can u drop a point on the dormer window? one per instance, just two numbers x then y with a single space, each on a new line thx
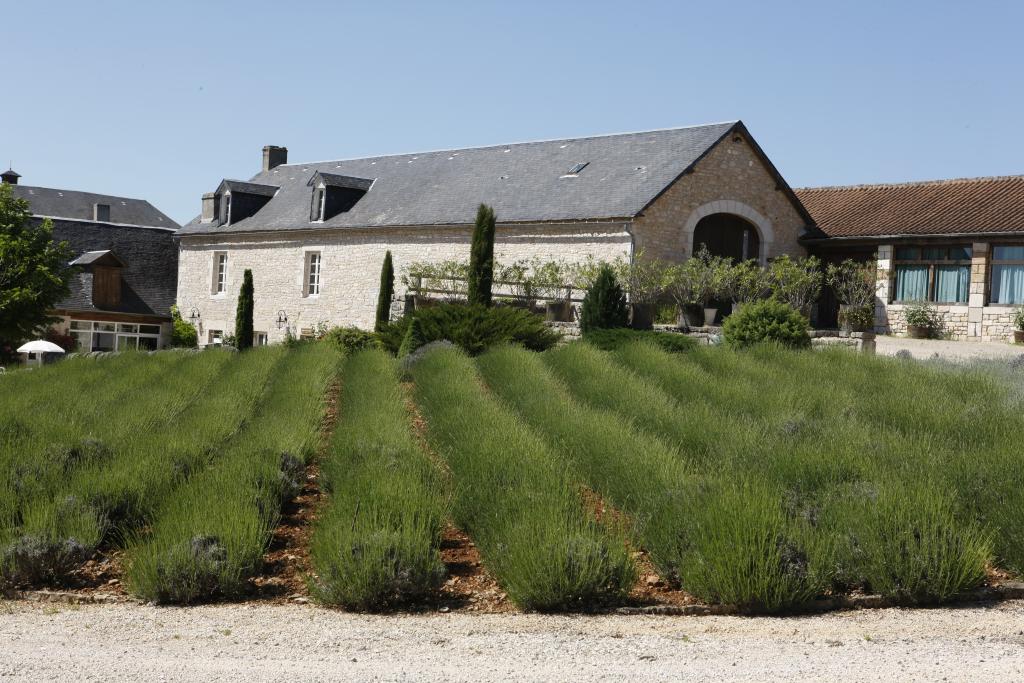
105 268
334 194
239 200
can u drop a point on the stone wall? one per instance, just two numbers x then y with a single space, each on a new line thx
973 321
730 179
350 271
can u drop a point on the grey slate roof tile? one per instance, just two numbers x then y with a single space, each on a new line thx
47 201
523 182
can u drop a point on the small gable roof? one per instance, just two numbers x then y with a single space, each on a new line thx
937 207
523 182
103 257
336 180
243 187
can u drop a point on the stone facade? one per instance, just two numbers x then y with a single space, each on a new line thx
732 178
977 320
350 270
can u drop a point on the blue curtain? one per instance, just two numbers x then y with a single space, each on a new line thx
1007 284
951 283
911 283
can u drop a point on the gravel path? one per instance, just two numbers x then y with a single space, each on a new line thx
950 350
304 643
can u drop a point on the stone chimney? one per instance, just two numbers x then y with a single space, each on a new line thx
274 156
209 207
9 177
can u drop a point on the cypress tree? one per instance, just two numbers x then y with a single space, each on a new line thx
243 314
481 257
387 291
604 306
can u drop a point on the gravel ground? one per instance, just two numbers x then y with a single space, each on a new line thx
303 643
950 350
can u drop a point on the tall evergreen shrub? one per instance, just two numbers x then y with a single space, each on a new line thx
243 314
386 293
481 257
604 306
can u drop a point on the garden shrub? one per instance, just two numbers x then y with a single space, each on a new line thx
604 306
767 321
183 334
741 548
907 543
473 328
350 339
376 543
612 339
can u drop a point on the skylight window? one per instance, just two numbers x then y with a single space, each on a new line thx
575 170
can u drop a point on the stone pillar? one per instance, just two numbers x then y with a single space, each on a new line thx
976 293
882 283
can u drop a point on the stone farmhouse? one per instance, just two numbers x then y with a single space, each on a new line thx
958 244
315 234
127 266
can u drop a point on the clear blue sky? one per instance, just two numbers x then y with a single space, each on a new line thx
162 100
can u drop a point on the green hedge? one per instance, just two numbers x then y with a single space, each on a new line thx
473 328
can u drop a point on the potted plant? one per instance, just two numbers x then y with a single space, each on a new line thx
645 281
854 285
712 279
1018 324
796 282
749 283
679 285
552 282
922 320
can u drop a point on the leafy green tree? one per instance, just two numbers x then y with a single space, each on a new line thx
34 271
243 314
386 293
183 334
604 306
481 257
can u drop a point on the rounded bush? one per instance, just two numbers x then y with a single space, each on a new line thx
767 321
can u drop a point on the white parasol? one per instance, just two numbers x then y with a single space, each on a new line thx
40 346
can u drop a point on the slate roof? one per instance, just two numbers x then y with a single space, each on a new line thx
149 279
523 182
91 257
248 188
959 206
150 274
78 205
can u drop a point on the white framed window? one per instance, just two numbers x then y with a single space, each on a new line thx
215 337
319 204
314 260
220 272
93 335
259 338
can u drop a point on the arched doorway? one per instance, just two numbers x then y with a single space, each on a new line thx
727 235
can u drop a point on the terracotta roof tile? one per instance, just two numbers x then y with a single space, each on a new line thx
964 205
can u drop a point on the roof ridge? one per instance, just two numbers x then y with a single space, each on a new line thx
98 194
511 144
911 183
